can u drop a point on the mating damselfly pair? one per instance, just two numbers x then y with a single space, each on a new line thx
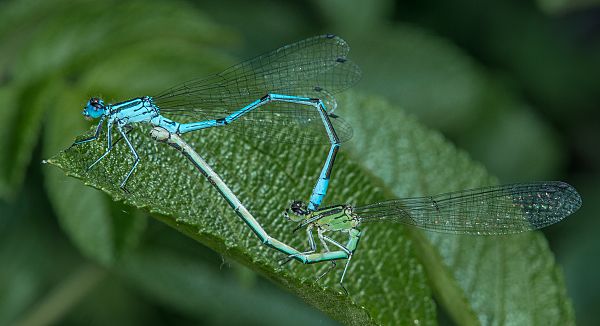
291 89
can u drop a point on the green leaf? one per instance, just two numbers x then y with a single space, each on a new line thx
386 281
167 185
508 279
54 58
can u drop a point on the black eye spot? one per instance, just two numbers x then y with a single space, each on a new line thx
95 103
299 208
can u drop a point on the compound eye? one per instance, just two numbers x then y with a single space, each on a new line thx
299 208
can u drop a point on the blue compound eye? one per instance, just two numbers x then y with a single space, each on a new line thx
94 108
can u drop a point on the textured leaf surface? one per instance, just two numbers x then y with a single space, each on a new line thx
266 179
53 58
487 280
477 279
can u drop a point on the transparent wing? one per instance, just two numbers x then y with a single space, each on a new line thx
493 210
317 67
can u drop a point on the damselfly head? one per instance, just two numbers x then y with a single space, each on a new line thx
297 211
94 108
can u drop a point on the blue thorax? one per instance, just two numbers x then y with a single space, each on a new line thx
136 110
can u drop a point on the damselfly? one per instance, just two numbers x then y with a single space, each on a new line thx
281 96
495 210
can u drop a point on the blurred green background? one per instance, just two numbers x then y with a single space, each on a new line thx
514 83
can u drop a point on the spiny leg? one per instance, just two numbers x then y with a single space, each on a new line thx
321 237
347 260
344 273
311 244
109 145
94 137
320 234
129 129
135 162
345 252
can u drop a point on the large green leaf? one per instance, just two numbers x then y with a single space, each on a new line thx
53 57
508 279
476 279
